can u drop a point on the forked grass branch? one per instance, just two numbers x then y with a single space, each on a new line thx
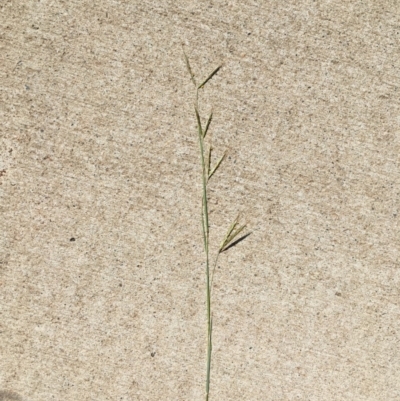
235 228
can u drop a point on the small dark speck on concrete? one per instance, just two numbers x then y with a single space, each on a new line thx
72 239
152 354
9 396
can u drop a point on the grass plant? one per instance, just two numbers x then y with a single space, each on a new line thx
231 237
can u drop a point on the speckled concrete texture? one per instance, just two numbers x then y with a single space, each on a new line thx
102 285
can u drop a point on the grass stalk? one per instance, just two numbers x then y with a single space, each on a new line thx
233 231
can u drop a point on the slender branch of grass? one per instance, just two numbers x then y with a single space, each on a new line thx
216 166
209 77
189 68
206 229
208 124
209 160
231 234
233 231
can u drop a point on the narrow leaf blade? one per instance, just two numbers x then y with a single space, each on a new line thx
217 165
209 161
210 76
189 68
199 123
208 124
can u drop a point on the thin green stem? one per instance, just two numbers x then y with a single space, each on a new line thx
206 230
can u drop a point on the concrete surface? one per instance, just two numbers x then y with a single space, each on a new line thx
102 269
